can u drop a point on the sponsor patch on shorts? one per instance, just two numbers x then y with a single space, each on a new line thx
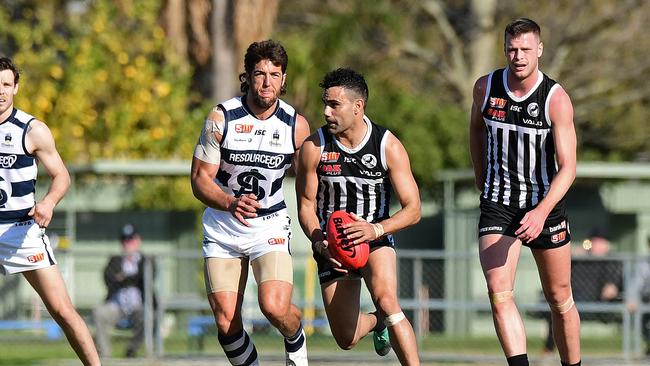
556 238
557 227
490 228
277 241
36 258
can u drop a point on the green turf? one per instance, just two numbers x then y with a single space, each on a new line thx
29 351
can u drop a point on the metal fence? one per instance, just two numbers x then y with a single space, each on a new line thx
425 278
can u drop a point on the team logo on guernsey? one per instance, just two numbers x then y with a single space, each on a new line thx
7 141
7 161
497 102
249 182
243 128
533 109
369 161
276 139
5 192
329 157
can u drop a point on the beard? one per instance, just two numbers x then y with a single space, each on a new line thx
264 103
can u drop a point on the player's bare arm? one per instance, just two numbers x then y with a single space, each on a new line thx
477 135
564 137
406 190
40 142
306 190
205 164
302 132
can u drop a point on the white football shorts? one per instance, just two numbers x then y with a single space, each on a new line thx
225 237
24 246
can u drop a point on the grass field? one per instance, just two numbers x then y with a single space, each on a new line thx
435 351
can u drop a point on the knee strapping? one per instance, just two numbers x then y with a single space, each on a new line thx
499 297
394 319
564 307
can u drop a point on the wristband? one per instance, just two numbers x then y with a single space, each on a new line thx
379 230
318 249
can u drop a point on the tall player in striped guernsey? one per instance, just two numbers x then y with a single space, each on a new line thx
24 246
247 145
523 147
352 164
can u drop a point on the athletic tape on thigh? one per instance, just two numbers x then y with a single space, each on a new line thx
563 308
225 274
499 297
394 319
273 266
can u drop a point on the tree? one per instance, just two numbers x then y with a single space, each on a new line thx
424 56
103 79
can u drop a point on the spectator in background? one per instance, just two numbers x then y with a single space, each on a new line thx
598 280
124 279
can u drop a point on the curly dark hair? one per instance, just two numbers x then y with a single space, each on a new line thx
263 50
7 64
348 79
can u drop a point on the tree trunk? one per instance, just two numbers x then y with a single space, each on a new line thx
174 23
235 24
224 75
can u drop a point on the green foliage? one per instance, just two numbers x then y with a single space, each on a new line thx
362 35
106 83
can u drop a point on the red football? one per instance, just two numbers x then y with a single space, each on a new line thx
352 256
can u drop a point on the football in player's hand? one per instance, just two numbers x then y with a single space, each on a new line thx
350 255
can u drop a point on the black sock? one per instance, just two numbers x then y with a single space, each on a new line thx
570 364
380 323
518 360
293 343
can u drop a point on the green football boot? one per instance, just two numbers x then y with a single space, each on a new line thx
381 340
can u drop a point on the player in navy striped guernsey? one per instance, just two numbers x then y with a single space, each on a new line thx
247 145
24 247
351 164
523 148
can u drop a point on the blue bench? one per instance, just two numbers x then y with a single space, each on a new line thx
51 328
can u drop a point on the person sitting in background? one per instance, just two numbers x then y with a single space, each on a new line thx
124 279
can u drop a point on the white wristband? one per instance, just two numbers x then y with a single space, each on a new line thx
379 230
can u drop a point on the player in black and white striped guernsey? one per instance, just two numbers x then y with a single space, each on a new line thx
354 180
523 147
24 246
247 145
351 164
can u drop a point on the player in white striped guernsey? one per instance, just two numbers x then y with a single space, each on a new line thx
523 148
24 247
352 164
247 145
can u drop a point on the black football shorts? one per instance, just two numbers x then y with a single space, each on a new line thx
497 218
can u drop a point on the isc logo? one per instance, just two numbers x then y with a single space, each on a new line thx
277 241
243 128
36 257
